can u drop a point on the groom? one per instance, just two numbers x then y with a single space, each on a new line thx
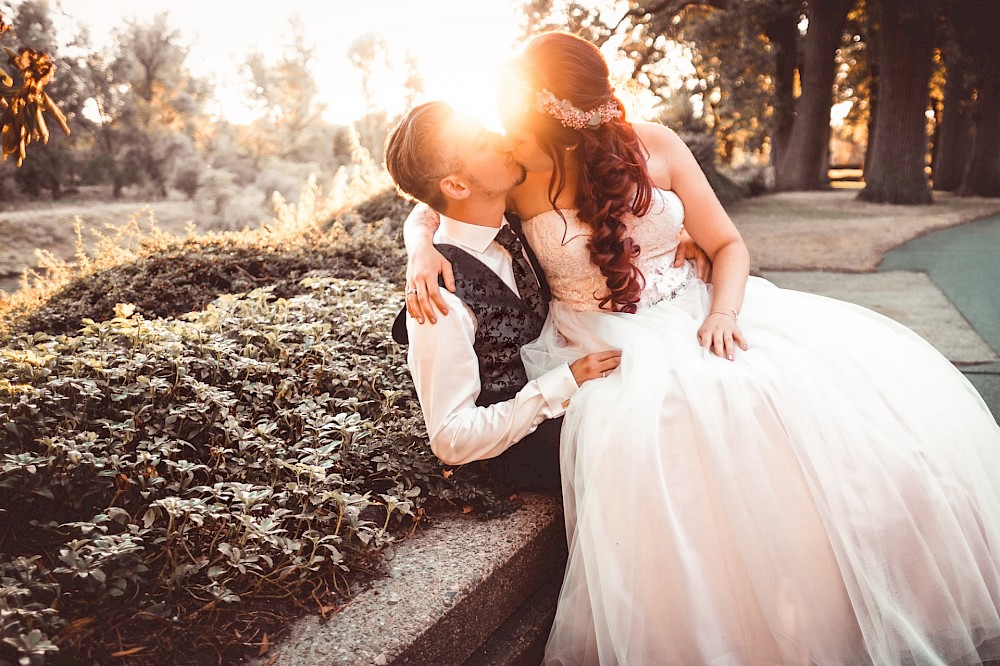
474 392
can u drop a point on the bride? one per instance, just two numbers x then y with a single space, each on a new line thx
769 477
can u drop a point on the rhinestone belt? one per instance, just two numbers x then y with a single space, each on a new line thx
690 275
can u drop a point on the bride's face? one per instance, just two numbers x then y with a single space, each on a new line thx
487 167
513 102
523 147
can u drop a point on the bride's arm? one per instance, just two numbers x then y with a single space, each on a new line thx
424 264
710 227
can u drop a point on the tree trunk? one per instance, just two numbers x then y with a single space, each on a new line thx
801 167
824 163
783 33
873 45
983 176
896 171
954 145
983 43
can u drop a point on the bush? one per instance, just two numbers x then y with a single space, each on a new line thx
216 188
186 275
187 177
164 276
703 147
153 470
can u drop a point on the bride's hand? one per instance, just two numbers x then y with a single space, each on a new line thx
423 294
688 249
720 334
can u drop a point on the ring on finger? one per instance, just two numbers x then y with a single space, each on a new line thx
604 373
411 291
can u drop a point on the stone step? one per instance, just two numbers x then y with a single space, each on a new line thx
449 589
520 641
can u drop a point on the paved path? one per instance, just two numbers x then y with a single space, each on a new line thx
945 285
964 262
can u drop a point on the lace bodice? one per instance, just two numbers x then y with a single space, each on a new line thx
561 247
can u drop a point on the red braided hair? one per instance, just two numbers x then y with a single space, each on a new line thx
612 181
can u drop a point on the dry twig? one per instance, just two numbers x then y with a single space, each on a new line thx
23 107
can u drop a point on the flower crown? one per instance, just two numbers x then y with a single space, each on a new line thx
570 116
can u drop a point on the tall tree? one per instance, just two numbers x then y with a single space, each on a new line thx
804 164
782 32
167 99
108 88
370 56
895 171
955 135
285 91
979 21
744 54
149 105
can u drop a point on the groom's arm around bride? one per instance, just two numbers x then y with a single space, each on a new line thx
475 395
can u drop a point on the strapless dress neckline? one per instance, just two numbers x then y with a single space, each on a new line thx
574 211
563 251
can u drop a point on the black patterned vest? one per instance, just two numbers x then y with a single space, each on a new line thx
503 324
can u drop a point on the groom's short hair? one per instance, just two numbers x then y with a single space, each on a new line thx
418 156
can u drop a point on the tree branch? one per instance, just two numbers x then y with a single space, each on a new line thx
670 7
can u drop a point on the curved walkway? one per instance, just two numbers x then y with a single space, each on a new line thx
912 263
964 262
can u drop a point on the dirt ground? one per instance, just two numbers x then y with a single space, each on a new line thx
51 228
833 231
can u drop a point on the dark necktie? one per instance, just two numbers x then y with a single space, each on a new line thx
524 277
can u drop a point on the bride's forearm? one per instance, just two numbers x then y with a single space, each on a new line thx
730 269
419 227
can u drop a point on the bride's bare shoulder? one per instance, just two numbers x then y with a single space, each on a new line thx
663 148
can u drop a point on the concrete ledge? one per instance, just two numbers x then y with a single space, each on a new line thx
449 588
520 641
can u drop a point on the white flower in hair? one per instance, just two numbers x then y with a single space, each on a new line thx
572 117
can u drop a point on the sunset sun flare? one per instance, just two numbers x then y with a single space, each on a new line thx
455 47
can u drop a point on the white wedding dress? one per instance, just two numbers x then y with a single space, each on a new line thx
831 497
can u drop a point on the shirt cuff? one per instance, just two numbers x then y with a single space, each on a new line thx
557 386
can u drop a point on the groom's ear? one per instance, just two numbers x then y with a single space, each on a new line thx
454 187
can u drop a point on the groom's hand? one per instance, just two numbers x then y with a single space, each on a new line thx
592 366
688 249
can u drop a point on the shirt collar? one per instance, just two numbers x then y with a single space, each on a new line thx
473 237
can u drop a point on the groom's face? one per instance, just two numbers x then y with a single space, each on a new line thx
486 170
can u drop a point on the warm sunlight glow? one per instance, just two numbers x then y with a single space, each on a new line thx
640 102
839 111
456 46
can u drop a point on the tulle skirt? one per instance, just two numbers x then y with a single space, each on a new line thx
831 497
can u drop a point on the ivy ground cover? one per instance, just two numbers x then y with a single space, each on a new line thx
170 486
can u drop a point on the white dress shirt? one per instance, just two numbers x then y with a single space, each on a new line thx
445 368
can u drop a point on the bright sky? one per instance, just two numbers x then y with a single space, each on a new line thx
457 43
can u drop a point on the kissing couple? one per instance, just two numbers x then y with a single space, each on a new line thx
750 475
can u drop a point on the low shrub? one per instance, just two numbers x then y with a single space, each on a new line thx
164 276
703 147
170 489
182 275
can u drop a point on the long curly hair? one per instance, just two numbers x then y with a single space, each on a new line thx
612 180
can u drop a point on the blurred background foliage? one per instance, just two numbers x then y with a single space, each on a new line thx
763 78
